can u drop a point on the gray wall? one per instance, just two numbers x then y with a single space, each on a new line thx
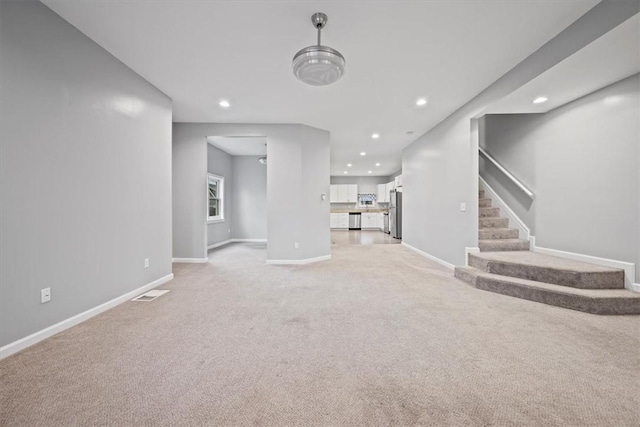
366 184
85 173
440 169
189 187
582 162
297 174
249 198
220 163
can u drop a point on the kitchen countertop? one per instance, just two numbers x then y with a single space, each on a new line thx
361 210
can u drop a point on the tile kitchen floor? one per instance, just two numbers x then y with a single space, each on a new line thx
361 237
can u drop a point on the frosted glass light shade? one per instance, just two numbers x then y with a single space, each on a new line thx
318 65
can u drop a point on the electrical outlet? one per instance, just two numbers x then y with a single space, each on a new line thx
296 245
463 207
146 263
45 295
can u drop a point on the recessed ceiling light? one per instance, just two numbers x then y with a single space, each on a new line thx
224 104
377 164
540 100
375 136
346 172
363 154
349 165
421 102
369 171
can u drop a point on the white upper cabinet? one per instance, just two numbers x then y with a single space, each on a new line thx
352 193
343 193
333 194
390 186
383 196
398 181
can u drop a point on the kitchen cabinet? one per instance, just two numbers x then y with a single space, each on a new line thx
387 188
398 181
352 193
343 193
383 195
339 220
333 193
370 220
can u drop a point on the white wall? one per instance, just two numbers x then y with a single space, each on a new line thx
220 163
85 173
582 162
297 174
249 198
440 169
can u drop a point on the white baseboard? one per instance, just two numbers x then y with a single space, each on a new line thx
467 251
429 256
190 260
628 267
226 242
217 245
43 334
298 261
514 220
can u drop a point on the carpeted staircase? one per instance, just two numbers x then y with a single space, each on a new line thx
506 266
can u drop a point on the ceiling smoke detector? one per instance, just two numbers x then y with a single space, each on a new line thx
318 65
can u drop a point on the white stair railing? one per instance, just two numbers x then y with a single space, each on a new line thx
515 180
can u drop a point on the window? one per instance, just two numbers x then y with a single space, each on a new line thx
216 198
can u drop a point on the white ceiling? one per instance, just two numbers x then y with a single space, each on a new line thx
240 145
609 59
199 52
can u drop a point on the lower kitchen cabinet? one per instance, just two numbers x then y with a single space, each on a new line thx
339 220
372 220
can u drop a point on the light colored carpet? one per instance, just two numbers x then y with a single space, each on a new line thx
377 336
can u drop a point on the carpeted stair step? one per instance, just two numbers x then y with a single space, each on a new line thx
493 223
595 301
484 202
489 212
480 194
495 245
498 233
549 269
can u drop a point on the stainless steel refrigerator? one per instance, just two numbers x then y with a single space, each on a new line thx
395 214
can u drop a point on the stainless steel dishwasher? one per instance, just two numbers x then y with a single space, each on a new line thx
355 221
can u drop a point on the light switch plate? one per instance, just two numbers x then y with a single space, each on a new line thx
463 207
45 295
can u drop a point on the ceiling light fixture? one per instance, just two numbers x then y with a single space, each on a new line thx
375 136
224 103
349 165
540 100
262 160
377 164
421 102
318 65
369 171
346 172
363 154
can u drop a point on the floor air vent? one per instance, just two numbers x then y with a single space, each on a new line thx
151 295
